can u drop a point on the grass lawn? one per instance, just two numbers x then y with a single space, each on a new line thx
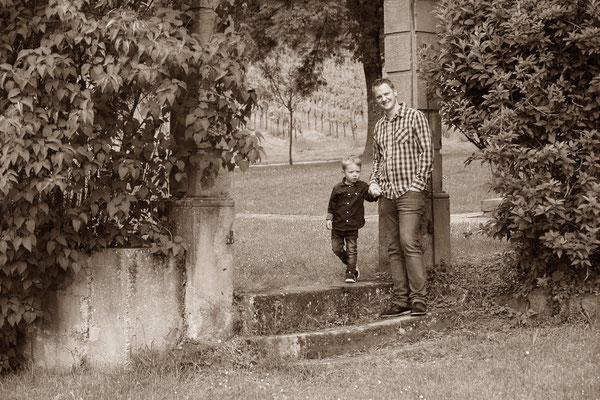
466 362
274 253
271 252
304 189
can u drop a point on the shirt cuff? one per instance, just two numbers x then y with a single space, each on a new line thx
329 217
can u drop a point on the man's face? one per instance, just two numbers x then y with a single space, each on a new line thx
385 96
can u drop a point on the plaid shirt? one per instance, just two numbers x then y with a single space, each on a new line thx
402 152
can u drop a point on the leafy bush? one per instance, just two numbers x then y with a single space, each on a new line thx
87 89
521 79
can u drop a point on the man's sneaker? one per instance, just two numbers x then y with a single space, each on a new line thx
418 308
394 310
352 276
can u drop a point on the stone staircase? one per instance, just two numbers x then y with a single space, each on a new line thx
325 321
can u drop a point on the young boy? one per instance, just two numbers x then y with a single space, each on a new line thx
346 214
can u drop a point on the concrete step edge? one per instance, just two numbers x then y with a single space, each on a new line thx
347 339
293 309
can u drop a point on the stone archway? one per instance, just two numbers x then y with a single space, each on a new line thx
101 317
409 25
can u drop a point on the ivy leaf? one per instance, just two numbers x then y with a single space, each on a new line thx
244 164
27 243
123 170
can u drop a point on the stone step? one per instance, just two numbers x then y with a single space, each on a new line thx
350 339
301 309
489 205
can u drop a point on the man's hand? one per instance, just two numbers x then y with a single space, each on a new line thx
329 224
374 189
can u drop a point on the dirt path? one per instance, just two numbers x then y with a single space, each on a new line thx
473 218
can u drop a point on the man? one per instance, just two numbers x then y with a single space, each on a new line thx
402 163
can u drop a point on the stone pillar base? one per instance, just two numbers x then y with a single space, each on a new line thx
205 223
441 227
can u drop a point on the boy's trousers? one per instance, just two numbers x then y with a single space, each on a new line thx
349 252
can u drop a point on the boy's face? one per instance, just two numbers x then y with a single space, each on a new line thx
352 173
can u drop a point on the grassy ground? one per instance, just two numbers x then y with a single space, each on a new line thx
466 362
304 189
310 146
263 254
467 185
273 253
480 354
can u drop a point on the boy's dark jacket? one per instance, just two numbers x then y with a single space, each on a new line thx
346 205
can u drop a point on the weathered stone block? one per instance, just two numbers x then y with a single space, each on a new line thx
441 228
403 84
397 16
205 223
425 20
302 308
128 299
398 52
590 305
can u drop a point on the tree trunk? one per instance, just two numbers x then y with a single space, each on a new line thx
290 131
369 16
372 72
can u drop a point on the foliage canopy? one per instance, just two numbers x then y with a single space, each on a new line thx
521 79
319 30
87 90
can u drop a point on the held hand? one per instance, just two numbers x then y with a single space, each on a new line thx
374 189
329 224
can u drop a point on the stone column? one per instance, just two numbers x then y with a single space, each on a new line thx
204 218
409 25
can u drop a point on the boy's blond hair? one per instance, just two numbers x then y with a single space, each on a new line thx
351 160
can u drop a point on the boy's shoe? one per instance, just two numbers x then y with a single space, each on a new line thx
418 308
394 310
352 276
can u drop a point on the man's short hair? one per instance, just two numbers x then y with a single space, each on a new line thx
382 81
351 160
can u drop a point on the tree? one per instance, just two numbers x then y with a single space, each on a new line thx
282 80
320 30
86 93
522 80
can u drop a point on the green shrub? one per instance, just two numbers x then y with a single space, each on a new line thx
87 89
521 79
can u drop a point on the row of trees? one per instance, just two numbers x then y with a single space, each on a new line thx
339 104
